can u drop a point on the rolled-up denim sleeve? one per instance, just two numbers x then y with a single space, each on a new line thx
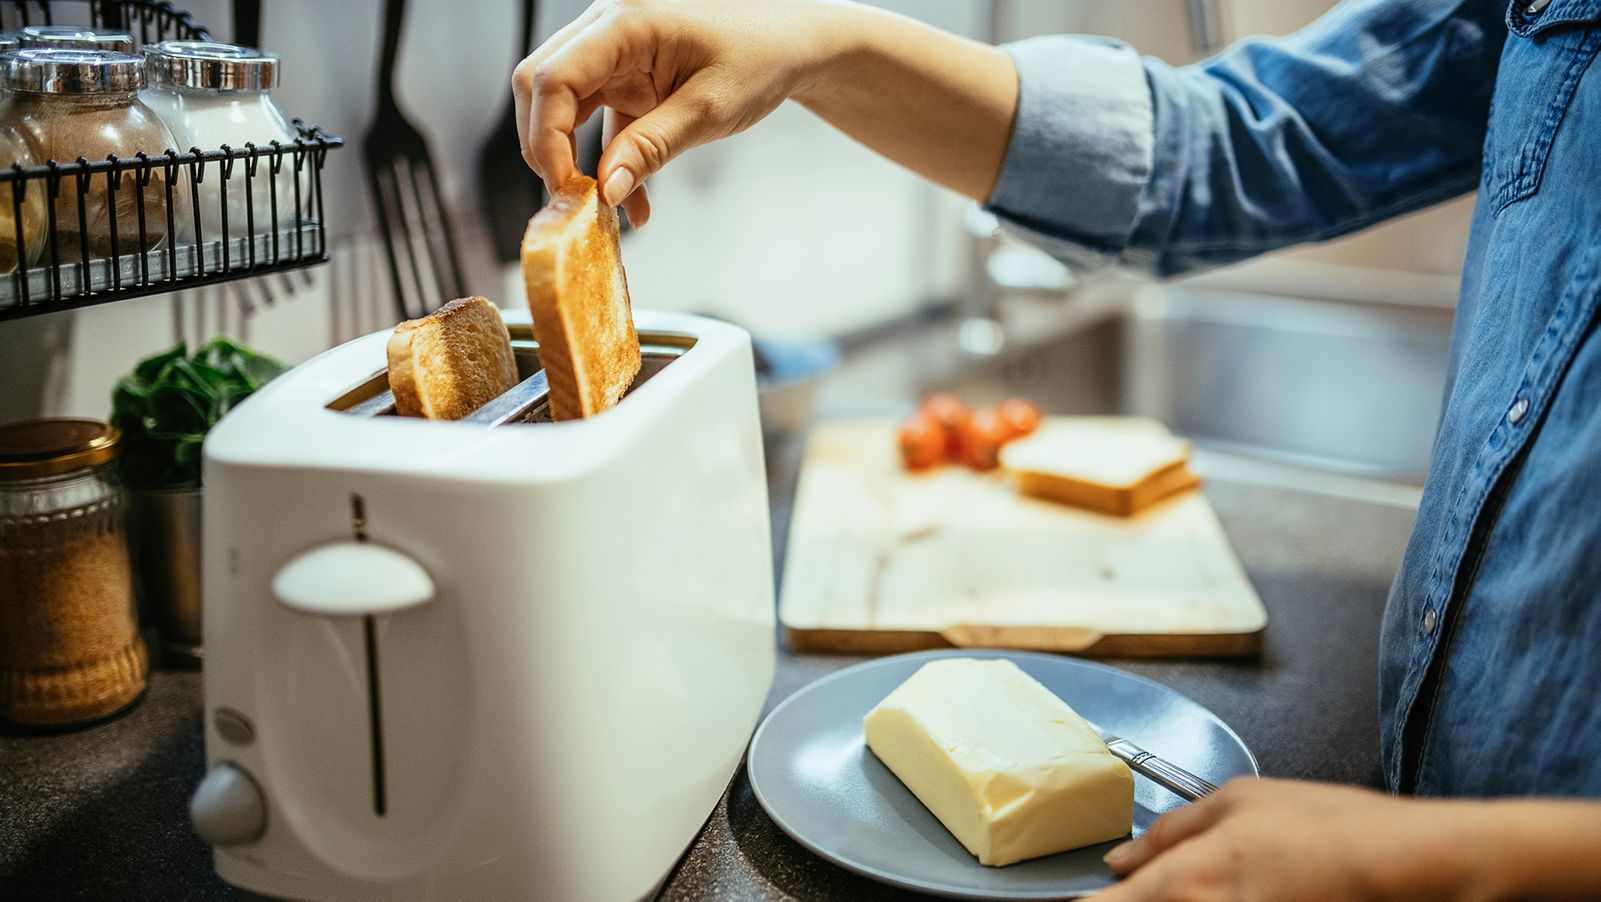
1376 109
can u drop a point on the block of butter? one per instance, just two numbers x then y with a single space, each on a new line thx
1005 765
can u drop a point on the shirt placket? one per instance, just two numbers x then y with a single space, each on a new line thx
1510 435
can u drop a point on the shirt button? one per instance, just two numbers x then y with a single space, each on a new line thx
1535 7
1518 411
1430 621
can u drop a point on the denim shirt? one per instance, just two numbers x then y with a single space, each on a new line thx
1490 660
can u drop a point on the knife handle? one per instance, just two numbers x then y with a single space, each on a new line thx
1161 771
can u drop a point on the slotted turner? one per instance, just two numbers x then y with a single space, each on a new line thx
419 240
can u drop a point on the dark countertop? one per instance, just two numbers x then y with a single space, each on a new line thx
102 812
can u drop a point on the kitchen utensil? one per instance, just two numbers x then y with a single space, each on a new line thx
419 239
1158 770
813 775
247 23
509 191
880 559
516 661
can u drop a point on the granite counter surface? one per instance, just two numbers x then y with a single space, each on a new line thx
102 812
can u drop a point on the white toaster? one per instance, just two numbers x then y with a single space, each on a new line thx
496 658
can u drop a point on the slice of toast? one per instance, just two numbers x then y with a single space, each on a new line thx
452 361
1113 466
578 295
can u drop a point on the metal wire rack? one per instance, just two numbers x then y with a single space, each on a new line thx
179 234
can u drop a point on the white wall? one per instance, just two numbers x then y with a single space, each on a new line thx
789 228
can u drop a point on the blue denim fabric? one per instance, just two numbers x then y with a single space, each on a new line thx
1490 661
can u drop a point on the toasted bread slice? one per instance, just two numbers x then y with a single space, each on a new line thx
452 361
578 295
1117 467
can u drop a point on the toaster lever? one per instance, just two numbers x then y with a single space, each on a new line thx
352 579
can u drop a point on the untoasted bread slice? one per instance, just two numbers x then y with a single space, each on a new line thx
578 295
1110 466
452 361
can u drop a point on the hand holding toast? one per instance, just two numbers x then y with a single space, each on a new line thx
674 74
671 75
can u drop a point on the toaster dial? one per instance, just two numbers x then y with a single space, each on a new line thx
228 808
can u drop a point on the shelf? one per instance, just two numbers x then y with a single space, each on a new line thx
180 193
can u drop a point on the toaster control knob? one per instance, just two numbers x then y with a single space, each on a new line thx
228 808
352 579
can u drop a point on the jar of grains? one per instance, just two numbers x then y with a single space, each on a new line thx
212 94
84 103
70 647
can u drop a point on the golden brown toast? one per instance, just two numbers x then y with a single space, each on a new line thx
452 361
578 295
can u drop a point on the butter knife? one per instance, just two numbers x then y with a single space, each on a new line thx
1158 770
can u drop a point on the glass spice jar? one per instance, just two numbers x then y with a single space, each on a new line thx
24 223
211 94
70 647
75 37
84 103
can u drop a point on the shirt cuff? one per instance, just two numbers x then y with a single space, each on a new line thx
1081 148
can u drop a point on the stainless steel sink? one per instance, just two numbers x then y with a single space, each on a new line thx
1331 387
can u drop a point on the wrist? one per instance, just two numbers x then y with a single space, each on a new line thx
834 34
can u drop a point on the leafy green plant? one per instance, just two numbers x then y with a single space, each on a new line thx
170 400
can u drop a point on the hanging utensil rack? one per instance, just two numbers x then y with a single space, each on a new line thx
65 274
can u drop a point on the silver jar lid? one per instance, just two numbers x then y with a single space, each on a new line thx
44 71
63 37
210 66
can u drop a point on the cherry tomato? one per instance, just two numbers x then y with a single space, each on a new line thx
1021 415
983 438
922 441
952 415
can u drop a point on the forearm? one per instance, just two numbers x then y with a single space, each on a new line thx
1526 849
938 104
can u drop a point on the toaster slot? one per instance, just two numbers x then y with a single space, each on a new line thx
526 402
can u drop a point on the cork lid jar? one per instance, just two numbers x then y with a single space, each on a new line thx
70 647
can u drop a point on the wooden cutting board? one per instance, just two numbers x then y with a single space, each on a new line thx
882 560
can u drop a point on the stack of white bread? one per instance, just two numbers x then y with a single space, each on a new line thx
1112 465
453 361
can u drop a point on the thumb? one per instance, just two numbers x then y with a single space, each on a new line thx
645 145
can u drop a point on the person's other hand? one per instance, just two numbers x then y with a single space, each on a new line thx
1280 839
672 74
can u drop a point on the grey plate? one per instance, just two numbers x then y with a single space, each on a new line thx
816 779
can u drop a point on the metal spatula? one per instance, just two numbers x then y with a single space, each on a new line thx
418 237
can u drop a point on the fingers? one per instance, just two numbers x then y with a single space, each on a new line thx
1169 830
555 88
637 203
1161 878
637 206
642 147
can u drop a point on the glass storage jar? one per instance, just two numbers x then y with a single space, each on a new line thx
75 37
84 103
70 647
211 94
30 216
